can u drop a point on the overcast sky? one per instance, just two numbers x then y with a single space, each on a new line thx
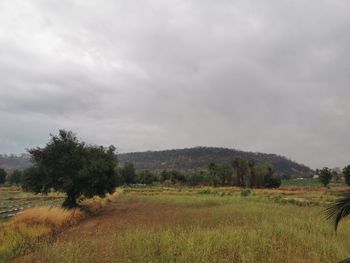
270 76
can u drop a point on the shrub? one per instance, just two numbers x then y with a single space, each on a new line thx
245 192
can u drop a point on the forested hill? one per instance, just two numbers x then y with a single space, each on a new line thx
190 159
184 160
13 161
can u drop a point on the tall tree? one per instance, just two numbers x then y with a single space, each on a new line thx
224 173
128 173
346 172
252 178
146 177
2 175
68 165
325 176
241 167
15 177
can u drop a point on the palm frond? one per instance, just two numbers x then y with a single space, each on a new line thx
339 209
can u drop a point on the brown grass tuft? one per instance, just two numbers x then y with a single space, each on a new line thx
96 203
53 217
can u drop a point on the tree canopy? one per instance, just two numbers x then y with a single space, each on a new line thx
68 165
325 176
15 178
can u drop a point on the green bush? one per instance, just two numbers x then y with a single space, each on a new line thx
246 192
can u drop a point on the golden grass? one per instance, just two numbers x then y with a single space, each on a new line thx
25 230
33 226
53 217
96 203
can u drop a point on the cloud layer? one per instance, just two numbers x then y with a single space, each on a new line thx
270 76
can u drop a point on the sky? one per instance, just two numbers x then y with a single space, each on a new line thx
264 76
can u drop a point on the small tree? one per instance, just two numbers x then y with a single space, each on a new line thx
146 177
346 172
68 165
325 176
270 180
196 178
177 177
2 176
15 178
128 173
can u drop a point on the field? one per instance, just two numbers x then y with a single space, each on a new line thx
13 200
204 225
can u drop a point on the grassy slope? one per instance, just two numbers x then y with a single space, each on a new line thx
150 226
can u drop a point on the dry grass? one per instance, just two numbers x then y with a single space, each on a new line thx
96 203
25 230
52 217
35 226
199 228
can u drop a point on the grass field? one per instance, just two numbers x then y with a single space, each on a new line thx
13 200
204 225
308 183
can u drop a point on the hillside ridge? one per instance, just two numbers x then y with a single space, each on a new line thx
189 159
185 160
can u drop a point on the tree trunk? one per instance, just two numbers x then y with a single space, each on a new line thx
70 201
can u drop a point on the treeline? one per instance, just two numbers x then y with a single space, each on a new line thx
13 178
240 172
326 175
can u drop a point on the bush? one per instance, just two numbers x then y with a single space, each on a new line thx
245 192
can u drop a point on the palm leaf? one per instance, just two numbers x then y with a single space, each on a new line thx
339 209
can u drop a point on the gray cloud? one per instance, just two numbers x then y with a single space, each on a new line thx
271 76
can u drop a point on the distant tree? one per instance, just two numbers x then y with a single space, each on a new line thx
128 173
286 176
196 178
2 176
146 177
265 176
271 181
224 173
241 167
346 172
260 172
177 177
325 176
212 169
336 175
68 165
213 174
164 176
15 178
252 173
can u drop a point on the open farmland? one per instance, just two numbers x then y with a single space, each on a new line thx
13 200
205 225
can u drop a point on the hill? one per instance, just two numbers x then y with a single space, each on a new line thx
190 159
185 160
10 162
